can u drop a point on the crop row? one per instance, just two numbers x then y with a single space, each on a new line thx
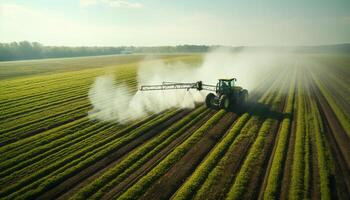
137 158
343 119
324 172
56 140
42 89
104 190
45 137
188 189
74 78
55 154
51 119
35 154
22 166
199 176
39 126
113 183
213 167
26 144
10 123
309 130
74 163
337 88
307 146
139 187
275 175
39 108
258 150
88 138
91 157
297 177
52 95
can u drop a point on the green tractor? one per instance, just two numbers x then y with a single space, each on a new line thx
227 95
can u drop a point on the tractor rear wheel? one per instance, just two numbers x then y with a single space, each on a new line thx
224 102
244 97
209 99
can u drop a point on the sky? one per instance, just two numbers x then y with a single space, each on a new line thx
169 22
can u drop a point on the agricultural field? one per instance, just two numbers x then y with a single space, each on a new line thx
292 141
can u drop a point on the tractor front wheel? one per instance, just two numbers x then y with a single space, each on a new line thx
209 100
224 102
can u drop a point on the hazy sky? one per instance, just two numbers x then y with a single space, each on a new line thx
172 22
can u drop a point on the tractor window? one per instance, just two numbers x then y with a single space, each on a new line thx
225 84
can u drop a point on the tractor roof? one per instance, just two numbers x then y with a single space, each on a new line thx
228 79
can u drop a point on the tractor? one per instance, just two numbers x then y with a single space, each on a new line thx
227 94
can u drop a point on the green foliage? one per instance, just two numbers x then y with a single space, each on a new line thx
74 163
297 180
321 154
256 151
198 177
138 188
140 156
343 119
275 175
40 155
244 174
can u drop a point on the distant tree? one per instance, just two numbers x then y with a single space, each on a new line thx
34 50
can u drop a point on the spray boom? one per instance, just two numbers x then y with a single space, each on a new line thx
173 86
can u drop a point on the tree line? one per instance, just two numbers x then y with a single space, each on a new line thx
34 50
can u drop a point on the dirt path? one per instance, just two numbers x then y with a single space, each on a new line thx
134 177
110 160
172 180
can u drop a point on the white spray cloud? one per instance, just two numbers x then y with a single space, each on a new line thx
116 103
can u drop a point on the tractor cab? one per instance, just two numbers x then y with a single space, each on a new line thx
225 86
227 95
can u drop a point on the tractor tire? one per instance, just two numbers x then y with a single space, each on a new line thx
244 97
209 99
224 102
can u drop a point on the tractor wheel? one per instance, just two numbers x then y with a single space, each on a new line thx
209 99
224 102
244 97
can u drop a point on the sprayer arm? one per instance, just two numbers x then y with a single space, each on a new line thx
173 86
